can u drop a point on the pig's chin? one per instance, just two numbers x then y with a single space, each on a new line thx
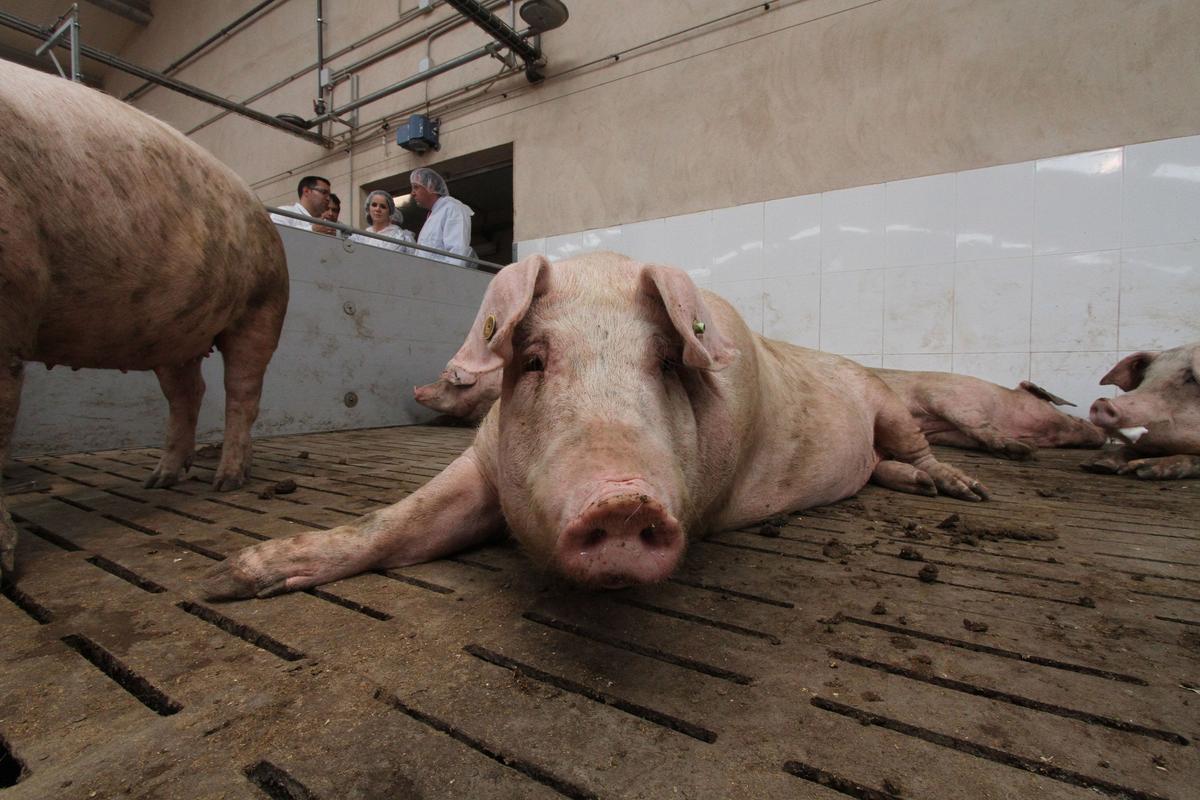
621 538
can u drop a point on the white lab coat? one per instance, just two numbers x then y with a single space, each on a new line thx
448 227
394 231
293 223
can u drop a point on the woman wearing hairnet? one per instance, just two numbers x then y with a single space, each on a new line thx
384 219
448 226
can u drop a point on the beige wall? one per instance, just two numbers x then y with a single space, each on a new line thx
809 96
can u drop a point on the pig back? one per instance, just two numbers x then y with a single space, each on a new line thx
138 247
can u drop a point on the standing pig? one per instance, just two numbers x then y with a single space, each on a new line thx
124 245
962 411
460 395
635 411
1159 418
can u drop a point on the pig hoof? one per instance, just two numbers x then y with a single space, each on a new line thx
161 479
226 483
228 582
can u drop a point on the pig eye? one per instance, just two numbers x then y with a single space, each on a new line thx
533 364
1189 377
668 364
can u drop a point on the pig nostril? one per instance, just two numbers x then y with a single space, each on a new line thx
594 537
649 536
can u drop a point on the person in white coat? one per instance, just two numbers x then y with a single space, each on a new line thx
382 215
313 193
448 226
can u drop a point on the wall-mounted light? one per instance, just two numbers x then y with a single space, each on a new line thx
419 134
544 15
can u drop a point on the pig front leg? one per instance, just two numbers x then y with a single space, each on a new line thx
183 386
1166 468
11 375
1109 462
913 467
456 510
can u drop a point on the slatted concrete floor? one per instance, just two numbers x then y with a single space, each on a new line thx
804 661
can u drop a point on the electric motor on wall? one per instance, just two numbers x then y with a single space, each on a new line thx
419 134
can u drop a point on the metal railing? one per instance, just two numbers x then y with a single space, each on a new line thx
345 231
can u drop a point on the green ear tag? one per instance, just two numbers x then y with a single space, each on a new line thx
489 327
698 327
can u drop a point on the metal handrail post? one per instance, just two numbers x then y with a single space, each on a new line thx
68 26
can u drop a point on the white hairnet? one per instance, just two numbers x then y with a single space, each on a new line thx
424 176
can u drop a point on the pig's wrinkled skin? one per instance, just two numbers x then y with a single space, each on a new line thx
464 396
636 411
1163 396
962 411
123 245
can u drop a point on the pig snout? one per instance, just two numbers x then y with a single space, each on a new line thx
622 539
1105 414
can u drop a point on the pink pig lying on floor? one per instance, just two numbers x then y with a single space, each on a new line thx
636 411
1158 418
962 411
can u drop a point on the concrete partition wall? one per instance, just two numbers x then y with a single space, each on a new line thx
364 325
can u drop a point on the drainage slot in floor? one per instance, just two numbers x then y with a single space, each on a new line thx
147 694
228 504
199 550
426 585
712 587
1016 700
306 523
1178 621
836 782
764 550
699 620
982 751
23 601
73 503
131 525
642 712
1006 592
124 496
996 651
126 574
46 535
262 537
187 515
12 769
641 650
243 632
521 766
467 562
995 571
276 783
353 605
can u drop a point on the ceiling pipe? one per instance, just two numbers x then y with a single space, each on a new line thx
196 93
183 59
137 12
499 30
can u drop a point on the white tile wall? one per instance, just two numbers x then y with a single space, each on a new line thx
1041 270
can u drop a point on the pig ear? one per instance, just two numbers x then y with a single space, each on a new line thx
1042 394
703 345
1129 371
489 344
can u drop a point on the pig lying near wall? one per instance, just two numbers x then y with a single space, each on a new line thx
124 245
460 395
635 411
1159 418
962 411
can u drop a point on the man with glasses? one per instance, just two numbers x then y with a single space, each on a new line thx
313 192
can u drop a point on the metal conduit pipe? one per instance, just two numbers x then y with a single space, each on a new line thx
436 29
341 75
454 63
319 103
183 59
498 29
196 93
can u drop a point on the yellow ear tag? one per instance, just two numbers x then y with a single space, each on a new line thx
698 327
489 327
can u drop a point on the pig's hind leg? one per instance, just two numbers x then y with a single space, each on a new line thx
456 510
246 351
908 464
11 374
183 386
1165 468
